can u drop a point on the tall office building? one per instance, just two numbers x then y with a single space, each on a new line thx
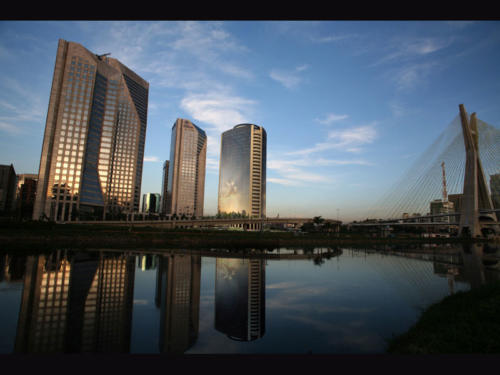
151 203
186 172
242 178
7 189
93 147
164 185
22 178
26 194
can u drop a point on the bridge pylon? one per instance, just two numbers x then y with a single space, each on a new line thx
475 192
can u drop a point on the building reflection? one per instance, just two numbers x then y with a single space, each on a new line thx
240 298
146 262
80 302
12 268
470 269
178 297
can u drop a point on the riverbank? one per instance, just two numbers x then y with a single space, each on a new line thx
50 235
463 323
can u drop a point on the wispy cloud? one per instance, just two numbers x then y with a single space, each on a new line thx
308 162
176 54
353 137
291 174
410 76
402 49
212 164
11 129
397 109
348 140
332 38
286 79
151 159
19 106
410 61
460 24
298 172
289 78
221 110
331 118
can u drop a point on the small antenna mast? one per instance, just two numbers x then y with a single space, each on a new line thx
104 54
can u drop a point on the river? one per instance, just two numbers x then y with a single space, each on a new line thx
286 301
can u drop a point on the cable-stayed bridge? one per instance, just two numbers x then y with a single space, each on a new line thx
456 181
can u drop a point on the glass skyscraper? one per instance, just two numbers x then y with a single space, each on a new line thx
151 203
186 171
93 147
242 172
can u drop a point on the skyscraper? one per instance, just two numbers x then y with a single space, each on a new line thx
164 186
151 203
242 172
186 172
93 147
26 194
7 188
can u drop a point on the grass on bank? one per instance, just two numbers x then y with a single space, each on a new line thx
463 323
49 234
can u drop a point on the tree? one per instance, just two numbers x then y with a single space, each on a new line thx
318 220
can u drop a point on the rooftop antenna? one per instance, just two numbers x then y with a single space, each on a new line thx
445 192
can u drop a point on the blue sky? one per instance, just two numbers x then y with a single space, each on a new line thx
347 106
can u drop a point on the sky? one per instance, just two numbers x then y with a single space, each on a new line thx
348 106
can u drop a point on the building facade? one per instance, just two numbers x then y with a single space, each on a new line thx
186 172
164 186
495 190
93 147
7 189
441 207
151 203
26 195
242 172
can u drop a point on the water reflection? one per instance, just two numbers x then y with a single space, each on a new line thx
240 298
79 302
178 297
83 301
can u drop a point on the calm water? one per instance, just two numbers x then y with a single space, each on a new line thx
344 301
